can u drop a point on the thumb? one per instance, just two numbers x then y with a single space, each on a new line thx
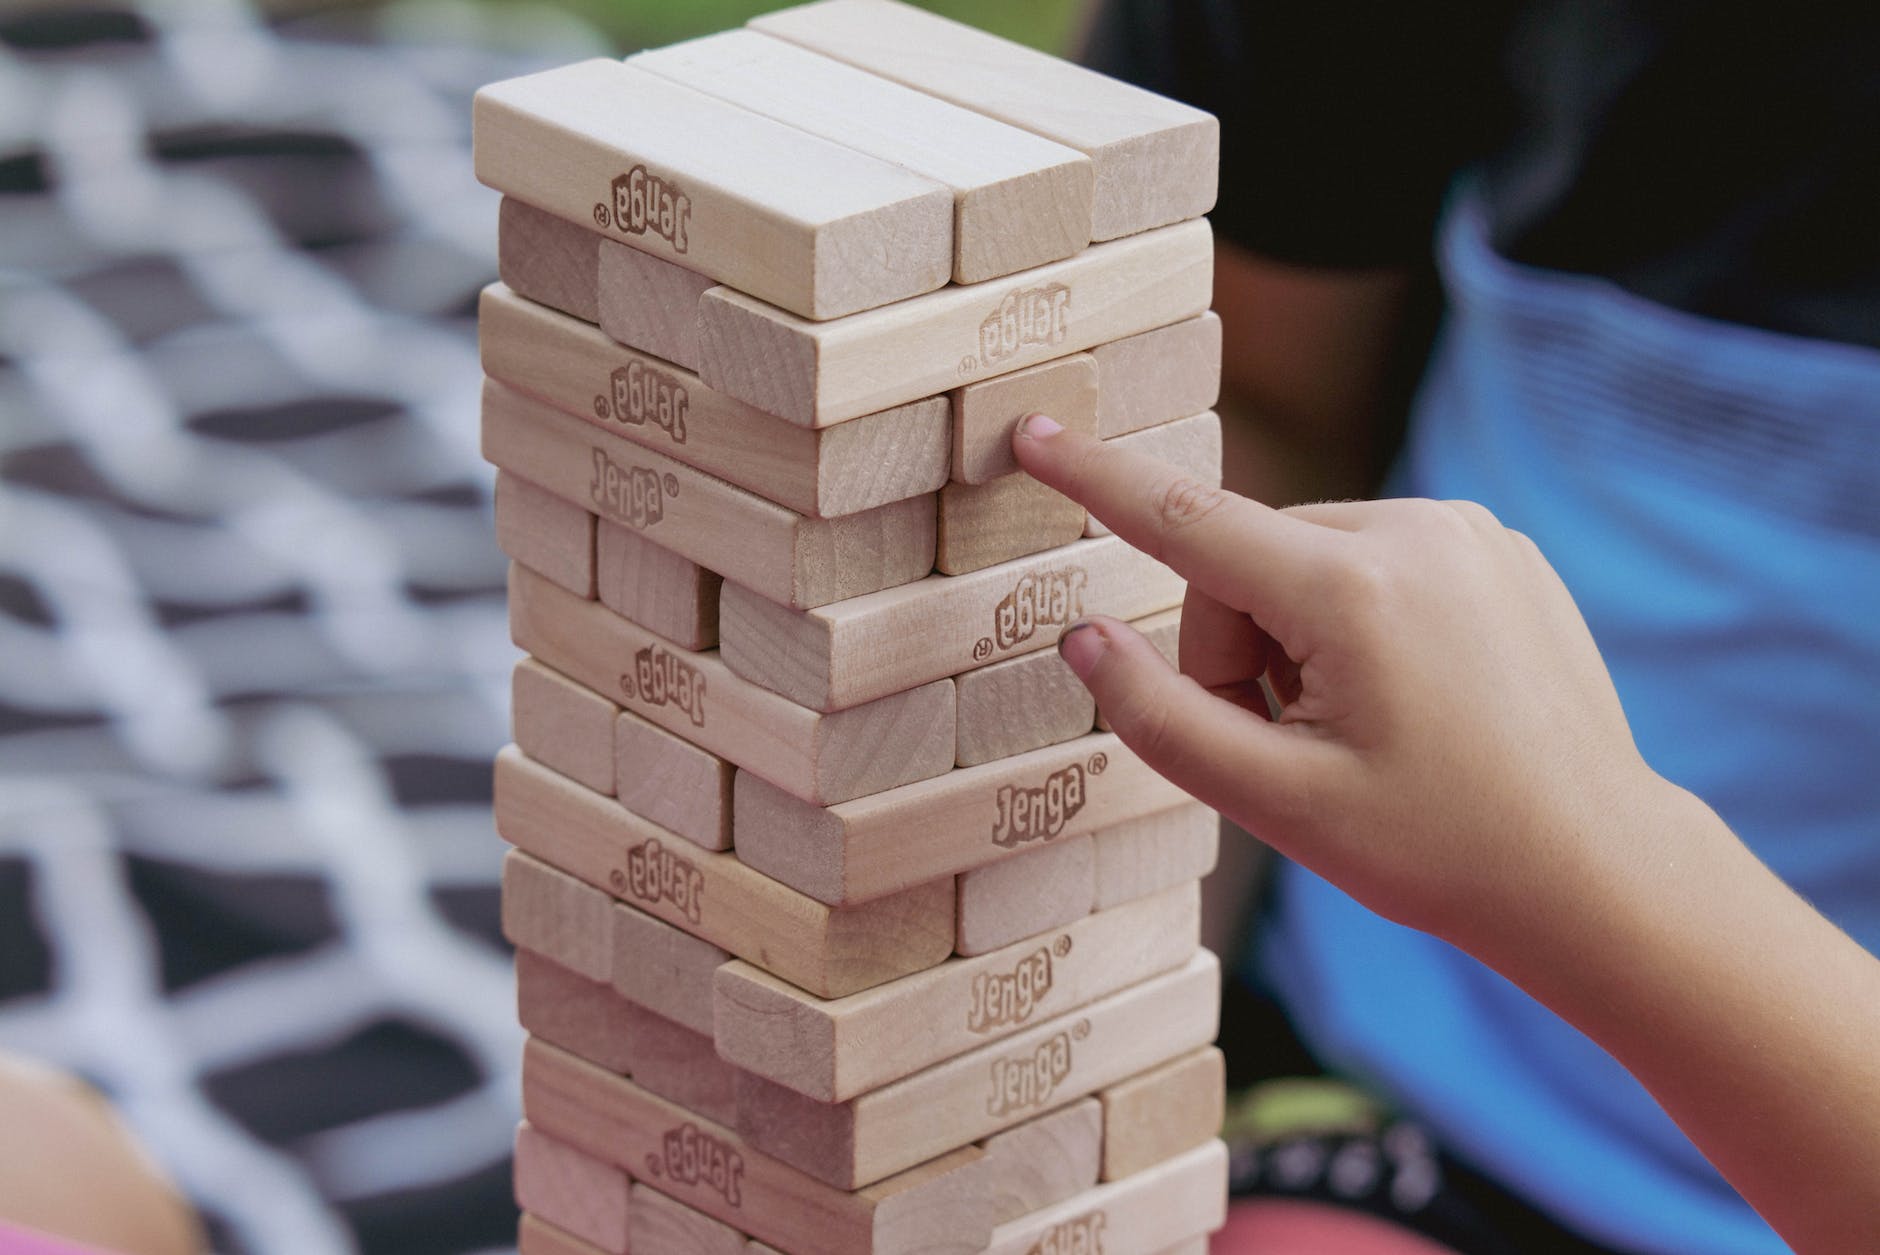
1250 770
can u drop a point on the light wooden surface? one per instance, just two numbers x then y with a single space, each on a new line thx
835 1049
828 951
786 556
1008 901
650 303
572 1190
856 851
672 782
1158 1114
563 725
1156 159
664 969
942 1207
1164 631
1149 854
796 220
570 1011
866 647
1046 1160
821 758
548 259
545 533
665 1226
535 1236
555 915
986 413
1019 199
872 460
1162 1208
1158 376
1021 704
1193 444
818 373
983 1091
1012 516
678 1064
669 595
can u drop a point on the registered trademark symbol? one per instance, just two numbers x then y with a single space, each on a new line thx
982 649
1097 764
600 215
628 687
968 365
602 409
653 1167
1080 1030
1062 946
671 483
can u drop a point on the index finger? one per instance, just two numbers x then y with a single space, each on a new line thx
1240 552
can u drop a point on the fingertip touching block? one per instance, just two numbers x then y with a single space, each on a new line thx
986 413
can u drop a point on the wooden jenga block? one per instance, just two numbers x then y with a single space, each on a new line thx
1045 1160
667 1226
550 536
828 951
1019 199
819 373
671 596
986 413
870 461
905 737
535 1236
672 782
1158 376
1164 631
1163 1112
549 260
811 226
571 1190
664 969
849 1145
855 651
856 851
832 1050
568 1010
677 1063
1164 1207
1009 517
790 557
1019 897
651 303
1149 854
1021 704
1192 444
943 1207
555 915
1156 159
563 725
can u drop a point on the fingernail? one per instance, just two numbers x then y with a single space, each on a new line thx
1038 426
1080 646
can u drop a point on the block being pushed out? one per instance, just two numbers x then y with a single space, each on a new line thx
806 224
985 414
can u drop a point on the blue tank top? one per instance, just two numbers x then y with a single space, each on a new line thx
1711 495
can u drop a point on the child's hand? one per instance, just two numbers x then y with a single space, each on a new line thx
1449 746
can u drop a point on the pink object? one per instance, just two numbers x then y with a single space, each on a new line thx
31 1242
1282 1227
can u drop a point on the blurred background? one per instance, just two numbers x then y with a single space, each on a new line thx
253 656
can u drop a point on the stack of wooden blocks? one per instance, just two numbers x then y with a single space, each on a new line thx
844 928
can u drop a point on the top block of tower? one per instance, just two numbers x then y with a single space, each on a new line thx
1156 159
817 228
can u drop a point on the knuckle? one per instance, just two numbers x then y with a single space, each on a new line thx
1182 501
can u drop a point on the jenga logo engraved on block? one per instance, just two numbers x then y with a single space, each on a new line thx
633 495
655 874
1039 812
645 202
1080 1235
1039 599
660 678
695 1157
638 394
1025 1082
1001 999
1024 317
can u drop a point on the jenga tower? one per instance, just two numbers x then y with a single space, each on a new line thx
844 928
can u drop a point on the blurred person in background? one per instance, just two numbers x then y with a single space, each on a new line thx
1619 263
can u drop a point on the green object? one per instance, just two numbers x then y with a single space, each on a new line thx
1298 1107
635 24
